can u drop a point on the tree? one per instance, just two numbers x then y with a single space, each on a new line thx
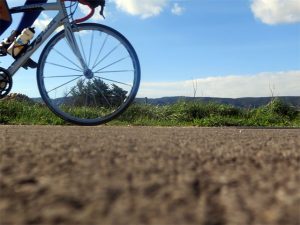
118 95
96 93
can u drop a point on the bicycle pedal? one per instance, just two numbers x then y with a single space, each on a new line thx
30 64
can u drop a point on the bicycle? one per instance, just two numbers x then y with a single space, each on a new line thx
88 73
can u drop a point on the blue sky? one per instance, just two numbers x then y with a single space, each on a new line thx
228 48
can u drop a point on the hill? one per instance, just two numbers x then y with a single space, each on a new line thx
248 102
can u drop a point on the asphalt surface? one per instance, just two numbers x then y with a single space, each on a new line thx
149 175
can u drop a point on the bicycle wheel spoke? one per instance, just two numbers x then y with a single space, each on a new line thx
86 100
71 89
73 99
63 98
112 64
82 49
115 71
95 100
63 84
103 78
55 64
65 39
101 92
111 51
67 59
97 95
63 76
91 48
103 44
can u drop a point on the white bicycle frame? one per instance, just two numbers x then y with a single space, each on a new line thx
60 19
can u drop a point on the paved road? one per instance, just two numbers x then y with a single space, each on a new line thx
143 175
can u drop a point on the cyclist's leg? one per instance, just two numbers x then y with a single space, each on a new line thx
26 21
29 17
4 26
4 44
5 17
5 22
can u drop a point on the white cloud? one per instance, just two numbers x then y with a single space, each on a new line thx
142 8
258 85
276 11
86 10
177 9
42 22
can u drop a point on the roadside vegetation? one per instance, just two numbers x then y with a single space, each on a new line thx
22 110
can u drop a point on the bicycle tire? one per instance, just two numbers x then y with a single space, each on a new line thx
125 101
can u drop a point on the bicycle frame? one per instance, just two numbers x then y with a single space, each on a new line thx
60 19
112 80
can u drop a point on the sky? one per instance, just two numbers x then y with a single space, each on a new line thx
220 48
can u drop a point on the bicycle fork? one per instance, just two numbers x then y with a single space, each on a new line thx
69 34
75 48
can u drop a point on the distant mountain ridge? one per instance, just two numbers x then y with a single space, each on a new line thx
248 102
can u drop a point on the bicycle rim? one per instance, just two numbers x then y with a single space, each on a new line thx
97 97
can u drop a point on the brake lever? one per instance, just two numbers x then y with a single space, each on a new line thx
102 10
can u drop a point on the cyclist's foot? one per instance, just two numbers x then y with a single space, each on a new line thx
4 45
3 48
31 64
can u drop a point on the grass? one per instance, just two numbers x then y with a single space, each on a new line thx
275 114
23 112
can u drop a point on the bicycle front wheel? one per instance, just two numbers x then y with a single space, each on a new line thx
95 96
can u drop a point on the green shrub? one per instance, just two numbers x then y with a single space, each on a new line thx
276 113
282 109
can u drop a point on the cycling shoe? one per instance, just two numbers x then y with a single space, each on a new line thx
4 45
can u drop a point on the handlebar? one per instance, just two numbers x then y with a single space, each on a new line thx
92 12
